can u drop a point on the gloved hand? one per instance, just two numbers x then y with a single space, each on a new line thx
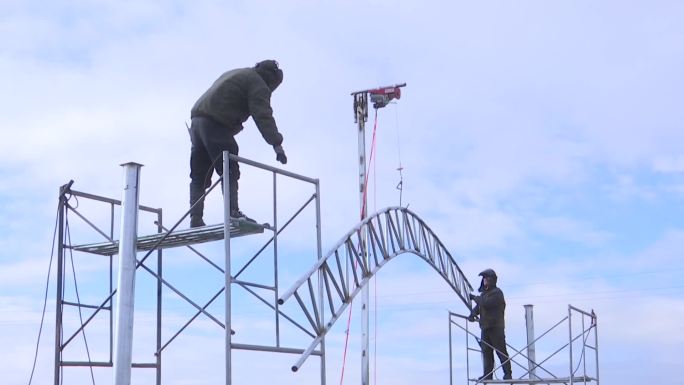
280 154
473 297
472 317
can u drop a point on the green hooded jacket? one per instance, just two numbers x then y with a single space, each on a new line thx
234 97
490 307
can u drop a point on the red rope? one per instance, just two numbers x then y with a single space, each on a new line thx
363 216
370 160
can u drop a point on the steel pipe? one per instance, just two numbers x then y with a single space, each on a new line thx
123 349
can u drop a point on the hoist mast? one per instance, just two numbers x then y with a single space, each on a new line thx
380 97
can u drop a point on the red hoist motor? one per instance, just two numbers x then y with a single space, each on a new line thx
381 96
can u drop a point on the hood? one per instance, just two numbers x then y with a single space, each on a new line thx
489 273
270 72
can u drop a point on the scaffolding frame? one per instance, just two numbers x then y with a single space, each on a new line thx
589 328
64 243
172 238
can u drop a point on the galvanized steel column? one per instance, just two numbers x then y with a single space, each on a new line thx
227 276
531 355
361 113
319 252
60 274
123 349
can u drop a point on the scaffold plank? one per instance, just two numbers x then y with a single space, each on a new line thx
178 238
560 380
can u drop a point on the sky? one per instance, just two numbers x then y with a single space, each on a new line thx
543 139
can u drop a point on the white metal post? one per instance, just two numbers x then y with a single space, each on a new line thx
60 298
595 321
531 352
319 252
123 349
451 359
570 341
361 114
226 242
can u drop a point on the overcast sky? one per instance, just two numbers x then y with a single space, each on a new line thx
543 139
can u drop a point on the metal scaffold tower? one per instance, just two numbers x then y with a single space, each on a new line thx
580 344
144 253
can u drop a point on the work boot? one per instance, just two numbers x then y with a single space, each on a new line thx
485 377
239 215
508 376
196 221
196 205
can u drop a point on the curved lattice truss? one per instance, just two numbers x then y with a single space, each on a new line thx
324 292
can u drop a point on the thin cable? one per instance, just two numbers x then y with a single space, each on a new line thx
78 297
76 199
210 171
370 159
400 185
47 287
211 168
374 163
579 363
346 342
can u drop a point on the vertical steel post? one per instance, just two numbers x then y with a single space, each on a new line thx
584 350
570 339
58 302
275 259
361 102
228 278
111 288
123 350
531 352
467 341
160 228
111 309
319 251
596 352
451 359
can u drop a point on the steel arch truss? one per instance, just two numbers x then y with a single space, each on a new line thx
341 274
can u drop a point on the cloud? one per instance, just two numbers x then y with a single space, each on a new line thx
669 165
513 115
571 230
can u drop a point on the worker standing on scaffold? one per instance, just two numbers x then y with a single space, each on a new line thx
490 306
218 116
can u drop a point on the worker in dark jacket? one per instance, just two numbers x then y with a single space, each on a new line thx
218 116
490 306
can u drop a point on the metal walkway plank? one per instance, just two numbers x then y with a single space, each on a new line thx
560 380
178 238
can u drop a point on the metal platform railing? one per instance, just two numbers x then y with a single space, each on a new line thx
584 334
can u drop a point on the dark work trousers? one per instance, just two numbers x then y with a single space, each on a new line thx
494 338
209 139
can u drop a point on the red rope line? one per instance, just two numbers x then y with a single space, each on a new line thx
363 216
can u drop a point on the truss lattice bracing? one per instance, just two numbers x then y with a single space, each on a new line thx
348 267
